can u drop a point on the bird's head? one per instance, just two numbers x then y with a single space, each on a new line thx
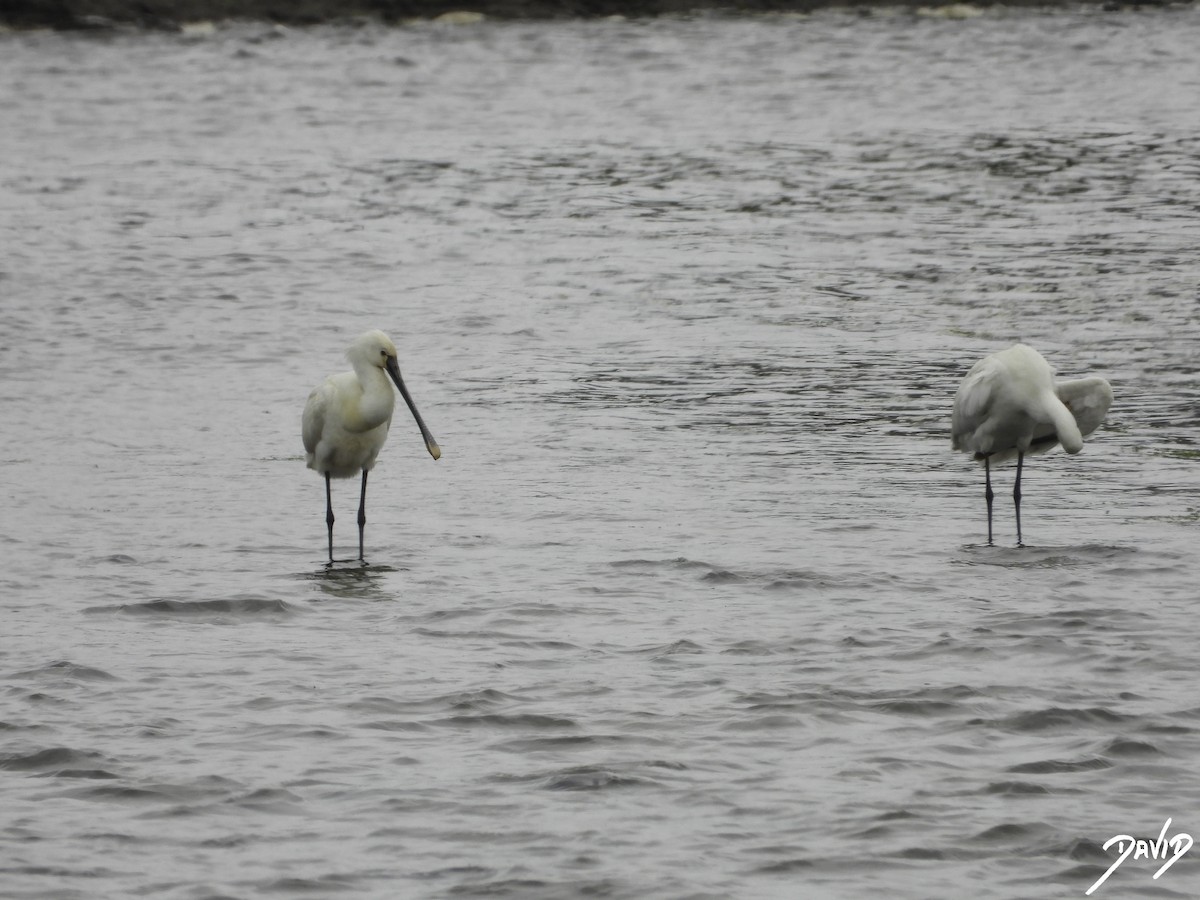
376 349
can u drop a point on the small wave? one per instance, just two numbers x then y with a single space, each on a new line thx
536 610
922 853
1081 848
172 799
540 645
1078 875
1013 833
557 743
395 725
1130 747
722 576
789 580
786 866
498 720
122 794
66 670
710 573
672 649
485 699
268 800
897 815
1050 766
1015 788
874 833
1099 619
157 728
487 635
54 758
678 564
96 774
772 722
753 648
308 886
916 707
460 872
592 778
1053 718
235 608
798 700
538 889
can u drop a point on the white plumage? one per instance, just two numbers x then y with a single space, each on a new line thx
346 420
1009 406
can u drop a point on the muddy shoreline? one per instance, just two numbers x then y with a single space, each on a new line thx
171 14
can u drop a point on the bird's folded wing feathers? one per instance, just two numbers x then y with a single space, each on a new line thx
313 421
972 401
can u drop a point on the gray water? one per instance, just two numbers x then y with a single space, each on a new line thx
698 602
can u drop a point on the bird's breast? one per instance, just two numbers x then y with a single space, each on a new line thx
373 410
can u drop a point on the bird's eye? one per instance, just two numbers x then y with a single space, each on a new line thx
383 353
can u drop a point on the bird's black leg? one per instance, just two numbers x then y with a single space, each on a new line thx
362 516
1017 496
988 494
329 515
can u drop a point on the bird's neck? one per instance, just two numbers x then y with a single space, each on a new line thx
377 400
1064 423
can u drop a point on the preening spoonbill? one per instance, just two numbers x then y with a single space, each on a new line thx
346 420
1008 405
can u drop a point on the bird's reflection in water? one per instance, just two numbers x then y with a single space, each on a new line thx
353 580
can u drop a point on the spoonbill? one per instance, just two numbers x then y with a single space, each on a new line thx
1009 405
346 420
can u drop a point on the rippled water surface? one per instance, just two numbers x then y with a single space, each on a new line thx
698 602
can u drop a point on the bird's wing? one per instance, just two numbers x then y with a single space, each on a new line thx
972 402
313 421
1088 399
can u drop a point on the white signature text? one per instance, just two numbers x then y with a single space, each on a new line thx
1140 848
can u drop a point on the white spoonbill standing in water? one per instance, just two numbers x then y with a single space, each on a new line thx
346 421
1009 405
